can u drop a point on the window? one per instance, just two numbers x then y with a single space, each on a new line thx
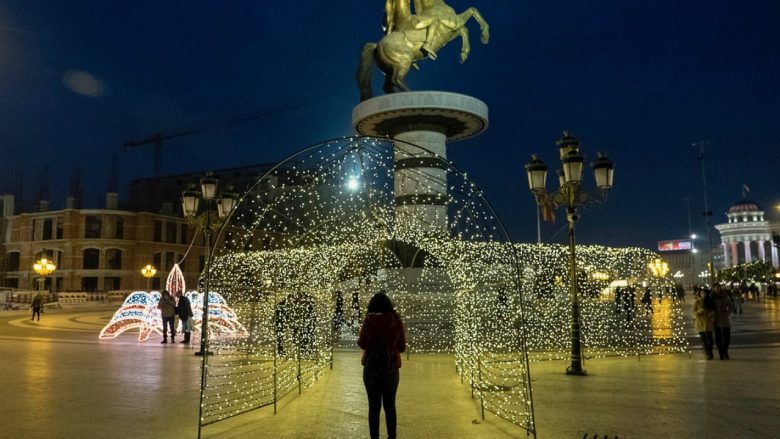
182 263
37 229
158 231
112 283
92 226
48 226
183 235
48 254
168 260
114 259
156 283
89 284
56 256
170 232
119 231
157 260
59 227
91 260
12 282
12 261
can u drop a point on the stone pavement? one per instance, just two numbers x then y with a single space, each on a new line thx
59 381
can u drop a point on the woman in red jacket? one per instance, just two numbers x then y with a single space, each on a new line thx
382 339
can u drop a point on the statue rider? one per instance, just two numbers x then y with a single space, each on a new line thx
398 16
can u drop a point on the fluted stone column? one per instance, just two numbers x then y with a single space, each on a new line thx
734 254
761 250
748 255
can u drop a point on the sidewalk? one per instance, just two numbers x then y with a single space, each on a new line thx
673 396
59 381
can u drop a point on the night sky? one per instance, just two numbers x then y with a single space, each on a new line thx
639 80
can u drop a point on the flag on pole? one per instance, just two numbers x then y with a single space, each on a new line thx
548 211
745 190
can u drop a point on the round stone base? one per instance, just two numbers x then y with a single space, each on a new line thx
455 115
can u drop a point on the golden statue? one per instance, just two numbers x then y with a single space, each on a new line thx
411 37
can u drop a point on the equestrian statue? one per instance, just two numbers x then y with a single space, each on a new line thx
412 37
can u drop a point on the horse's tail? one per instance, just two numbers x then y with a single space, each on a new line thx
364 71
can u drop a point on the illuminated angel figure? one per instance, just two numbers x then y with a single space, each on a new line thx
140 310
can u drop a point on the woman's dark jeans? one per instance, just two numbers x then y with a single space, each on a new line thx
381 392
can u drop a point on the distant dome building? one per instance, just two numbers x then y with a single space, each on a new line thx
747 237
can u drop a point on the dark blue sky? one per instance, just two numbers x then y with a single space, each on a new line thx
639 80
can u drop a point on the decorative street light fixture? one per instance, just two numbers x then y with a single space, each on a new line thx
43 267
659 268
570 195
148 272
190 201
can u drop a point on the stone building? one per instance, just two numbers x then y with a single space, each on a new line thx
748 235
94 249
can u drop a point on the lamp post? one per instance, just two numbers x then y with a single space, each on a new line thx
190 201
43 267
148 272
570 195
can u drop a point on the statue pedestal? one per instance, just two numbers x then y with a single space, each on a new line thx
421 123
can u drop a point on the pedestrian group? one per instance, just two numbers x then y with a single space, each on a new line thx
170 308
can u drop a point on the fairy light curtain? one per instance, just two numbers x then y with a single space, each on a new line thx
319 234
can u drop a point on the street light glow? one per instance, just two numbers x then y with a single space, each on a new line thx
353 183
148 271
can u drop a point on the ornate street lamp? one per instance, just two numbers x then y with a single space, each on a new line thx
148 272
659 268
43 267
570 195
190 201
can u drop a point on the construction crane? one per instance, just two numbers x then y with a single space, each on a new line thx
158 139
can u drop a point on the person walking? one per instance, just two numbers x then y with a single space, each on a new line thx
37 304
736 298
723 309
184 311
167 306
704 319
647 301
382 338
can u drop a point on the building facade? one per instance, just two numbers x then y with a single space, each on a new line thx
747 236
95 249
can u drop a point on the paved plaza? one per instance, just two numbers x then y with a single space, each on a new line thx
59 381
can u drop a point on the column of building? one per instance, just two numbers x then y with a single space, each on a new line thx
761 250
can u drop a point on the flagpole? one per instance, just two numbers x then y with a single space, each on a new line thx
707 214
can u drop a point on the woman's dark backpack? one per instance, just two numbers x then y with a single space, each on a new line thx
380 360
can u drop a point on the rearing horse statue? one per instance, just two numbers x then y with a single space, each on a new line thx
411 38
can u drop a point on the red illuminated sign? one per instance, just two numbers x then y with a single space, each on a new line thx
675 244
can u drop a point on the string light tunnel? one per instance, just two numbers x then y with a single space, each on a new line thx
314 238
